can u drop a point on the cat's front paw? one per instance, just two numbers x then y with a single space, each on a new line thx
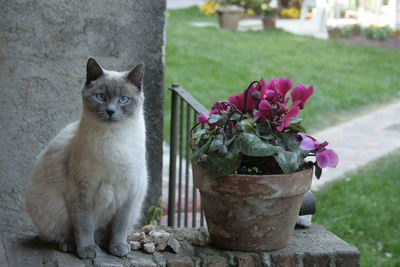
120 249
66 246
89 252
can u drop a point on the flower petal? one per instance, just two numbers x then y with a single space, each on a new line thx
285 84
265 109
202 118
293 111
263 88
300 94
307 143
327 158
237 100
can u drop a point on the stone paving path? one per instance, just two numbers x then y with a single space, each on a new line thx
361 140
357 142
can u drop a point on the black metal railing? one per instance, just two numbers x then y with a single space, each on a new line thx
182 202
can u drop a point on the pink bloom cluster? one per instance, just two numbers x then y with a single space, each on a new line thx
273 103
268 101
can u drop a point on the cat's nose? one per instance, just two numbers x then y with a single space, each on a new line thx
110 112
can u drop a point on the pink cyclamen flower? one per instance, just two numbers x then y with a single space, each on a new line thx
265 109
307 142
271 95
327 158
293 111
239 99
219 105
310 143
301 93
281 85
202 118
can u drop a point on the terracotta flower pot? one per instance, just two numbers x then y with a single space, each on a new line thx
251 212
269 22
229 17
355 33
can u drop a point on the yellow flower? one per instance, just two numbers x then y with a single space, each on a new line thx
250 11
209 8
264 6
293 12
290 13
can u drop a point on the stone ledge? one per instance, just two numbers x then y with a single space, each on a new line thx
314 246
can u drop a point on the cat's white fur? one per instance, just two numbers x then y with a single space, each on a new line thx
108 160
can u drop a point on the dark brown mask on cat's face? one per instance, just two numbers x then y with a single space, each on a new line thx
112 96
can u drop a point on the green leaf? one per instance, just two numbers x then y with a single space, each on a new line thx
292 142
199 133
227 143
297 127
222 165
217 142
264 131
249 124
235 117
203 149
215 118
252 145
290 161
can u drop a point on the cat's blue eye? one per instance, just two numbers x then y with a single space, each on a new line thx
101 97
123 99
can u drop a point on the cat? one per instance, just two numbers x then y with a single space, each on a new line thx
90 182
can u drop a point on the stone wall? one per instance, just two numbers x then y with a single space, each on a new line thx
308 248
44 46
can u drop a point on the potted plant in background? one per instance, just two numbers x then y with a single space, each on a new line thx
249 163
229 14
264 10
268 15
356 30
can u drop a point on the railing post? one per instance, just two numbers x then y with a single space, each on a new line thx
172 157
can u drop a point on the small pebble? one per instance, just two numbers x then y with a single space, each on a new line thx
152 239
160 237
148 228
174 245
149 248
304 221
147 239
161 246
138 236
135 245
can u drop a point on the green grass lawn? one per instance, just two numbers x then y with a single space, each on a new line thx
213 64
364 209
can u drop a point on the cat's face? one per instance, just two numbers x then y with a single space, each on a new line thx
112 96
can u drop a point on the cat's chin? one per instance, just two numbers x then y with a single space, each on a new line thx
112 120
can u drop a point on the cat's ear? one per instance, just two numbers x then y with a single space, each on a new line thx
93 71
136 76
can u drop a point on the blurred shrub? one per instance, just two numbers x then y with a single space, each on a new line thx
377 33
